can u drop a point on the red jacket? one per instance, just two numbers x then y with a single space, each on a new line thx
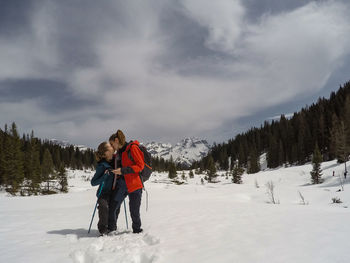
131 169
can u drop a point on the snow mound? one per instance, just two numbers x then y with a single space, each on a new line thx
121 247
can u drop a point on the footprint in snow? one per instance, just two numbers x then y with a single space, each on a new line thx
122 246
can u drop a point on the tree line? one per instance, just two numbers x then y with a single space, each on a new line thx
324 126
29 165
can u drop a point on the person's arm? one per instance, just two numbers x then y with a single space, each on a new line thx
138 165
98 177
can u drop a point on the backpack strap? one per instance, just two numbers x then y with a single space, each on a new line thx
128 149
130 156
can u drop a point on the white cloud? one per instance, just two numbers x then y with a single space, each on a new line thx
297 51
223 20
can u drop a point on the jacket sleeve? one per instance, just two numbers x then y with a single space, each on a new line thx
138 165
99 175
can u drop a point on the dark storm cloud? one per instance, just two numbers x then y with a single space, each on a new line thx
78 24
184 37
257 8
51 96
15 17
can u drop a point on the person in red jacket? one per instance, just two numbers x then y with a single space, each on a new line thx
128 164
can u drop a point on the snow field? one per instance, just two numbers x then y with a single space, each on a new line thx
220 222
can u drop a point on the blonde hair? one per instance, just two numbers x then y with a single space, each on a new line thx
101 150
120 135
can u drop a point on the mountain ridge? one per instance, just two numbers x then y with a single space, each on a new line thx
185 152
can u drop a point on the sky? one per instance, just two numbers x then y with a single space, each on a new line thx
162 70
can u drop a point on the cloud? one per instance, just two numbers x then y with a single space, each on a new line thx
223 20
162 70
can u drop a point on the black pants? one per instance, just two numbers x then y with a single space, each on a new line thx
134 207
106 214
103 207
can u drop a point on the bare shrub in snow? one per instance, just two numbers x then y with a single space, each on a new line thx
303 202
271 192
336 200
341 182
256 184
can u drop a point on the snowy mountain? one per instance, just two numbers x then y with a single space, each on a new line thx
65 144
185 152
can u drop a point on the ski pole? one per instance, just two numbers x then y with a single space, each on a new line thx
146 199
126 217
98 197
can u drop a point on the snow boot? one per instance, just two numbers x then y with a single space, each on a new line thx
137 231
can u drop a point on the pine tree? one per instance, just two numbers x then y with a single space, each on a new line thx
73 162
27 159
36 167
172 169
294 154
237 173
301 145
62 177
333 134
65 158
6 155
281 156
223 159
78 159
56 157
13 160
253 166
1 157
191 174
241 154
316 172
47 168
211 171
347 129
340 142
272 153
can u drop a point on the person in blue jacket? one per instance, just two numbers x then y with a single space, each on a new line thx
104 155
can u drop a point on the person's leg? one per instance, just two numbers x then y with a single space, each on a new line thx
115 203
114 209
102 224
134 206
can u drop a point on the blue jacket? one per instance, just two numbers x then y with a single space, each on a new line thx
101 176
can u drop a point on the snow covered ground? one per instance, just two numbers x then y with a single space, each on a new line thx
220 222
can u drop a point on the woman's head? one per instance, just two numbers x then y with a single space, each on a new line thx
104 151
117 140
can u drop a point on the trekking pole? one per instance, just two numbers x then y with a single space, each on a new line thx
98 197
146 199
126 217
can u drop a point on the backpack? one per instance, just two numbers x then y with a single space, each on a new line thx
145 174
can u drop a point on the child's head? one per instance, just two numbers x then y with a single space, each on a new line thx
117 140
104 151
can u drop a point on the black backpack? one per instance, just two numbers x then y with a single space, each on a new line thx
145 174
